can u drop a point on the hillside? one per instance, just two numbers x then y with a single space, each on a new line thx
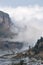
35 52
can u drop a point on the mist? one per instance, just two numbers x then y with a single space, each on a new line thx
27 23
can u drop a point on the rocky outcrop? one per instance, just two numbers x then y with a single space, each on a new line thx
38 49
6 35
5 22
39 45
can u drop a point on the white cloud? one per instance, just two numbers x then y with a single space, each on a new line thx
29 19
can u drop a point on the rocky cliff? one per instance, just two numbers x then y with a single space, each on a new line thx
5 32
38 49
39 45
4 24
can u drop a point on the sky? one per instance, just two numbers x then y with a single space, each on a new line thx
16 3
27 15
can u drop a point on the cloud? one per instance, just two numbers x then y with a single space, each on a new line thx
29 20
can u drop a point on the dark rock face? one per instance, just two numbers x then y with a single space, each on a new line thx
5 32
4 23
39 46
